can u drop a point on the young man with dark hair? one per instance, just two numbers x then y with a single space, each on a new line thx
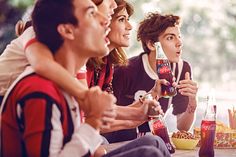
37 115
165 29
40 118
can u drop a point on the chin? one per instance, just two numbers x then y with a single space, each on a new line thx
176 60
105 52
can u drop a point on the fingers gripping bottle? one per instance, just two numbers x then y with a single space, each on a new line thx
158 127
208 129
164 72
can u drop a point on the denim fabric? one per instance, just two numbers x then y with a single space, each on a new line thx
146 146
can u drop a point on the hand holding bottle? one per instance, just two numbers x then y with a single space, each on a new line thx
164 72
158 126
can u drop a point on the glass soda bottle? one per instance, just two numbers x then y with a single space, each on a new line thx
158 127
164 72
208 129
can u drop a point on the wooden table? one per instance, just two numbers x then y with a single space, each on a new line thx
183 153
194 153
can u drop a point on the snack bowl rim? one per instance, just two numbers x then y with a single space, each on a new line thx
185 144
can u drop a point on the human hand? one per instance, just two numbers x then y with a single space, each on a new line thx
156 89
188 87
150 107
96 102
108 118
100 151
99 108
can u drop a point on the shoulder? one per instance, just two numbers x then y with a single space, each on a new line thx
36 84
135 60
186 66
132 63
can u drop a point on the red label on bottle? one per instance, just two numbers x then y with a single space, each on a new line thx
158 124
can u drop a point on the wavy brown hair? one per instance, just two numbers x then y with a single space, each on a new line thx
118 55
153 26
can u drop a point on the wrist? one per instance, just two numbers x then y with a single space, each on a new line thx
94 122
191 108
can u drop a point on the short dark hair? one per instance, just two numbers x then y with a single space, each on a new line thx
47 15
153 26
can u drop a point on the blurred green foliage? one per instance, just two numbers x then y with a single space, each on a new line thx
21 4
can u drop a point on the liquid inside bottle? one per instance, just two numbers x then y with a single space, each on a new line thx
208 129
158 127
164 72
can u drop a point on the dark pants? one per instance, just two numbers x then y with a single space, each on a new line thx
146 146
1 97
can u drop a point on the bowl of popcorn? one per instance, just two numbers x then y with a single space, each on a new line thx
184 140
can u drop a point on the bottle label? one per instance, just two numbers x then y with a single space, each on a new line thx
208 126
163 67
158 124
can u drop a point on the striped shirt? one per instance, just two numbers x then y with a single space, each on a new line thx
38 119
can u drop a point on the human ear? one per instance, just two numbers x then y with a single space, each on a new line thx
66 31
151 46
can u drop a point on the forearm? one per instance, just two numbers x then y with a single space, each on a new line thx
122 124
43 63
185 120
128 113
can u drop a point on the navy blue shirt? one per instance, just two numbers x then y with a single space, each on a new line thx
137 77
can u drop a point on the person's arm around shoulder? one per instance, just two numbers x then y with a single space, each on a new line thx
42 61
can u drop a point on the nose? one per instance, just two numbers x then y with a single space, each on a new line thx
113 5
129 26
104 20
179 42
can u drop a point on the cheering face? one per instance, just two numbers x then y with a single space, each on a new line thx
90 34
171 43
120 30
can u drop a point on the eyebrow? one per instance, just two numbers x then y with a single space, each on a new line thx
168 34
89 7
118 16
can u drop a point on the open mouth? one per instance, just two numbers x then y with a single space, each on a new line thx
106 35
107 40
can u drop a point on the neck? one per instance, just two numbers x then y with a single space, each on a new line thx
111 47
152 60
69 59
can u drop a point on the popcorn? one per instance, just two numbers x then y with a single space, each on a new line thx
183 134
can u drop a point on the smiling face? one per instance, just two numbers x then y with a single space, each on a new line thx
120 30
171 43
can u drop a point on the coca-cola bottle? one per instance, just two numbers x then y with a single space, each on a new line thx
208 129
158 127
164 72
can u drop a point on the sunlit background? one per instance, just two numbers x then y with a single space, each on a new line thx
209 35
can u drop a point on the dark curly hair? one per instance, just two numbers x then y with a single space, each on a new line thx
153 26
